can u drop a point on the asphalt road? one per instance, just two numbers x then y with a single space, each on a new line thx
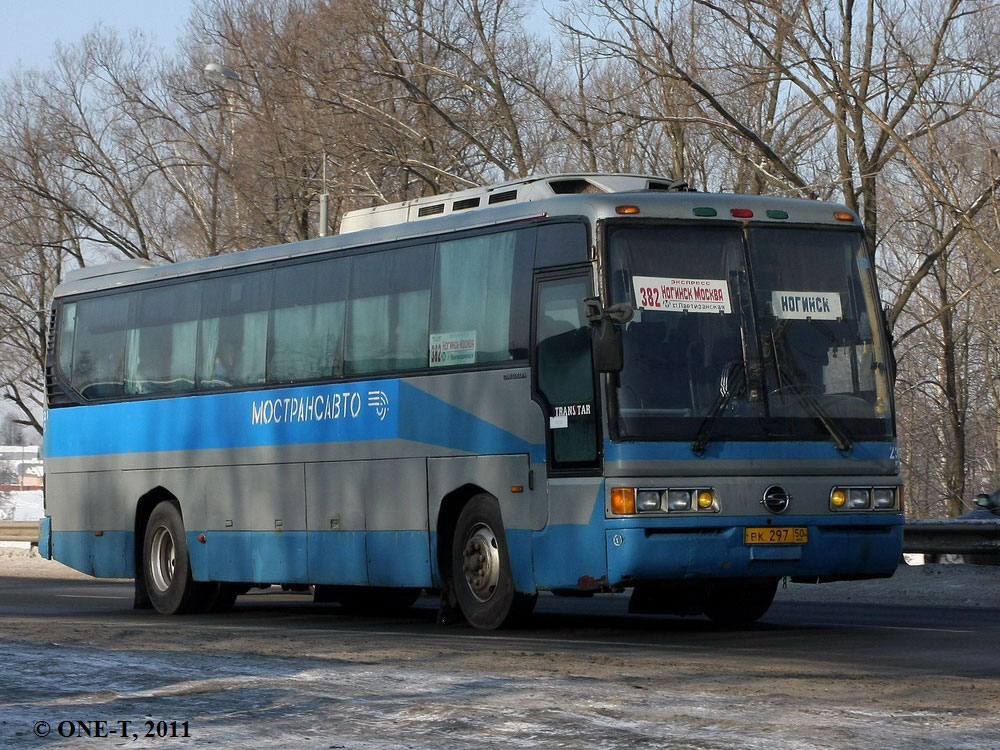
279 671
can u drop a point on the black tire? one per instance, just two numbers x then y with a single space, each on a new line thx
221 598
166 567
374 600
480 566
738 603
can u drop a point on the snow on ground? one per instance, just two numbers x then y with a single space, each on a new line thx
944 585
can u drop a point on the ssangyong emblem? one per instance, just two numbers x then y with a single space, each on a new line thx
776 499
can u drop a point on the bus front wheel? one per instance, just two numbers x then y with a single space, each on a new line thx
166 566
480 563
737 603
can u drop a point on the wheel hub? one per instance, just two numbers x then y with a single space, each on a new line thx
162 558
481 562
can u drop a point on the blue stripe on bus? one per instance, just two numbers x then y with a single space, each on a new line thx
747 450
375 410
110 555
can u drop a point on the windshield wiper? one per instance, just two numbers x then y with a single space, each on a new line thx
840 439
728 390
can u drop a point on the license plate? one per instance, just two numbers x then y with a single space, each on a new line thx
776 535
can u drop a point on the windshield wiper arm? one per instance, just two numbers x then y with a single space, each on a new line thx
840 439
727 392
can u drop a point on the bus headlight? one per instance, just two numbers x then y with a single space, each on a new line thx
647 501
884 498
678 499
858 498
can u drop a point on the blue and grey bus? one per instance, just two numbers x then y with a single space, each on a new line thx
574 384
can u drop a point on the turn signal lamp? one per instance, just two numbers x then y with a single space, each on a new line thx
627 210
622 501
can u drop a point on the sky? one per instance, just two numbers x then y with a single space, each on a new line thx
30 28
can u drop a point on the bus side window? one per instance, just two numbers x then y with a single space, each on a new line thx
307 330
561 245
232 336
472 298
99 354
162 342
388 312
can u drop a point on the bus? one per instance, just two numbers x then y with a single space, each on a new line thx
575 384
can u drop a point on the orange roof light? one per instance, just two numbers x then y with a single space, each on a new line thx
627 210
843 216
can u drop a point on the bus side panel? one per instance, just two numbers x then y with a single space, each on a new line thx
92 529
398 542
571 552
335 516
252 518
254 524
497 475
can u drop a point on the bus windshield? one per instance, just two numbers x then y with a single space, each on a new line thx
758 333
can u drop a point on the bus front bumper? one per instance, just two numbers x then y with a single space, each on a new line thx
835 548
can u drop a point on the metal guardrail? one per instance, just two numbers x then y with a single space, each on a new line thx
970 536
19 531
934 537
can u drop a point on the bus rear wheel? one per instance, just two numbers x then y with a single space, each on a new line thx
737 603
166 566
480 564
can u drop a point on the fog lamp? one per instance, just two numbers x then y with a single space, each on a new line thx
838 497
706 500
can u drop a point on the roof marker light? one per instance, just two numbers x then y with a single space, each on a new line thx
773 213
741 213
627 210
843 216
705 211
